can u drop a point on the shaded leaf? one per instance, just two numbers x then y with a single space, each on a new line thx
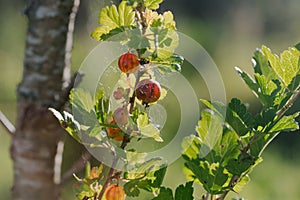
211 176
131 188
159 177
184 192
164 194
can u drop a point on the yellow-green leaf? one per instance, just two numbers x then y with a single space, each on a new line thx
111 18
287 66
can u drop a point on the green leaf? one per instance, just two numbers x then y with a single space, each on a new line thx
81 99
295 83
262 67
147 129
136 39
159 177
171 64
211 176
164 194
152 4
134 157
209 130
287 66
142 120
238 117
237 167
68 122
97 132
142 169
228 148
163 41
286 123
191 147
131 188
241 184
114 19
184 192
297 46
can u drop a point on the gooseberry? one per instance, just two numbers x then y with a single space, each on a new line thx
128 63
114 133
115 192
148 91
121 116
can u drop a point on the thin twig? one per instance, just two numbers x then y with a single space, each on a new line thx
7 124
109 177
58 162
77 167
76 79
69 43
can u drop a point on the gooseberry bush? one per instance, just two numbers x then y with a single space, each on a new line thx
228 141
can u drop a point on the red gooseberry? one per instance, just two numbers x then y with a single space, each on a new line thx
128 63
148 91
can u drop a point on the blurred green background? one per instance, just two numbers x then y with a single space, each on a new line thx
229 30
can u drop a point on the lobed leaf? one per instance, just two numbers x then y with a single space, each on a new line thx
152 4
147 129
114 20
184 192
164 194
287 66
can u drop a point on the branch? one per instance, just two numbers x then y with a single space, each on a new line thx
7 124
77 167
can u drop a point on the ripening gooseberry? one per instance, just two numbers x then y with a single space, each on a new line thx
148 91
115 192
114 133
128 63
121 116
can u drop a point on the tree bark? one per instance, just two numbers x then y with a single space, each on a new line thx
37 132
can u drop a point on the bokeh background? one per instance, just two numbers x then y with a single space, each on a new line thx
229 30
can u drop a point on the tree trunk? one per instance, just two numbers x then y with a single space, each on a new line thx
37 133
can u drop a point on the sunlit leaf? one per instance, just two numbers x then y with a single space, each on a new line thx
142 169
152 4
113 18
68 122
287 66
81 99
286 123
147 129
241 184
